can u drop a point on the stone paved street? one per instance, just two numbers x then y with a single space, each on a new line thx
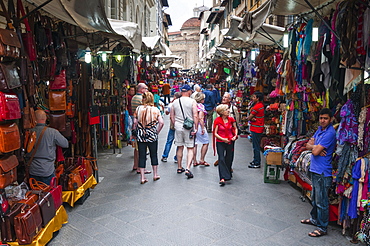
178 211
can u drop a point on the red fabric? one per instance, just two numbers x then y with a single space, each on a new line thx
333 212
258 111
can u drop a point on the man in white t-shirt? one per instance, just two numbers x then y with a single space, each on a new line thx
184 107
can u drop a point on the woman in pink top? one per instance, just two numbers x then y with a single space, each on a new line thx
225 132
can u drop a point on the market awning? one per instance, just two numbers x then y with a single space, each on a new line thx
175 65
255 18
265 35
90 16
154 44
130 31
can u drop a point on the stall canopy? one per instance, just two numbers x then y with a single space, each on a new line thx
90 16
154 44
130 31
264 35
255 18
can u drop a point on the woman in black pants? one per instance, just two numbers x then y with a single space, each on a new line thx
148 122
225 132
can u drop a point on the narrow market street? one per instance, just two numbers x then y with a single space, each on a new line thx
178 211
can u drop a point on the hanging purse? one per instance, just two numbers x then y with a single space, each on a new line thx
58 121
27 37
29 117
9 106
8 170
9 78
9 138
57 100
59 81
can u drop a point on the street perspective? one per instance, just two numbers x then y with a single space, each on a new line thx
184 122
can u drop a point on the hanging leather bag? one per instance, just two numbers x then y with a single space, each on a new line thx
57 100
59 81
28 223
9 106
58 121
29 117
9 138
9 78
27 37
7 223
8 170
9 44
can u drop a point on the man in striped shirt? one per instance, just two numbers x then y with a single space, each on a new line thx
256 120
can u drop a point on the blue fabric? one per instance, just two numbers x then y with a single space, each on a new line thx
170 138
209 100
356 175
320 200
308 39
256 139
326 138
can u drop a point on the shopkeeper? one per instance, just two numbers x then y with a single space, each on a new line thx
322 145
42 167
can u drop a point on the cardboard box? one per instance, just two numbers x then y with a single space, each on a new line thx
274 158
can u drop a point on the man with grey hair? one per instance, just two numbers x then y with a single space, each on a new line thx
184 107
197 89
226 99
42 164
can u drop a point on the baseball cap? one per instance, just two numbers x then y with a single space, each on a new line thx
185 88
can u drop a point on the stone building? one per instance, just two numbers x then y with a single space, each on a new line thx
185 43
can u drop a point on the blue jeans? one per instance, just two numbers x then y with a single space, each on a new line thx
170 138
45 180
320 200
256 141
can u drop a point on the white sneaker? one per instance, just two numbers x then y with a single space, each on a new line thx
164 159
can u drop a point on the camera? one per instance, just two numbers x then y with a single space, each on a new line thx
191 136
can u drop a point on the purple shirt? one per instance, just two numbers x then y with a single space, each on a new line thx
326 138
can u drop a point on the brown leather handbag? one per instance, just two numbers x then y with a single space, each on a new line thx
30 198
9 138
57 100
47 207
7 223
9 77
28 223
58 121
9 44
8 170
74 180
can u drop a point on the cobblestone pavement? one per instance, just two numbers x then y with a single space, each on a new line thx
178 211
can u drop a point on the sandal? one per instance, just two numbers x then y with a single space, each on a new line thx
143 181
146 172
205 163
317 233
180 170
307 222
156 178
196 164
216 163
189 174
222 182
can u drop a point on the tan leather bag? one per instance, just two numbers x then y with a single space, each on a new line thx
8 170
9 44
57 100
27 224
9 138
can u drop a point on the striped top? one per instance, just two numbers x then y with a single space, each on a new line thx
258 111
136 101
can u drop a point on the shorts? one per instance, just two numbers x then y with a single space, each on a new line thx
201 139
182 138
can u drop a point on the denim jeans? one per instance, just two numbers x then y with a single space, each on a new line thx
225 154
166 98
256 139
153 149
45 180
320 200
170 138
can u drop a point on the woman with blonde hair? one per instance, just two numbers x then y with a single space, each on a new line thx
225 132
202 135
148 122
